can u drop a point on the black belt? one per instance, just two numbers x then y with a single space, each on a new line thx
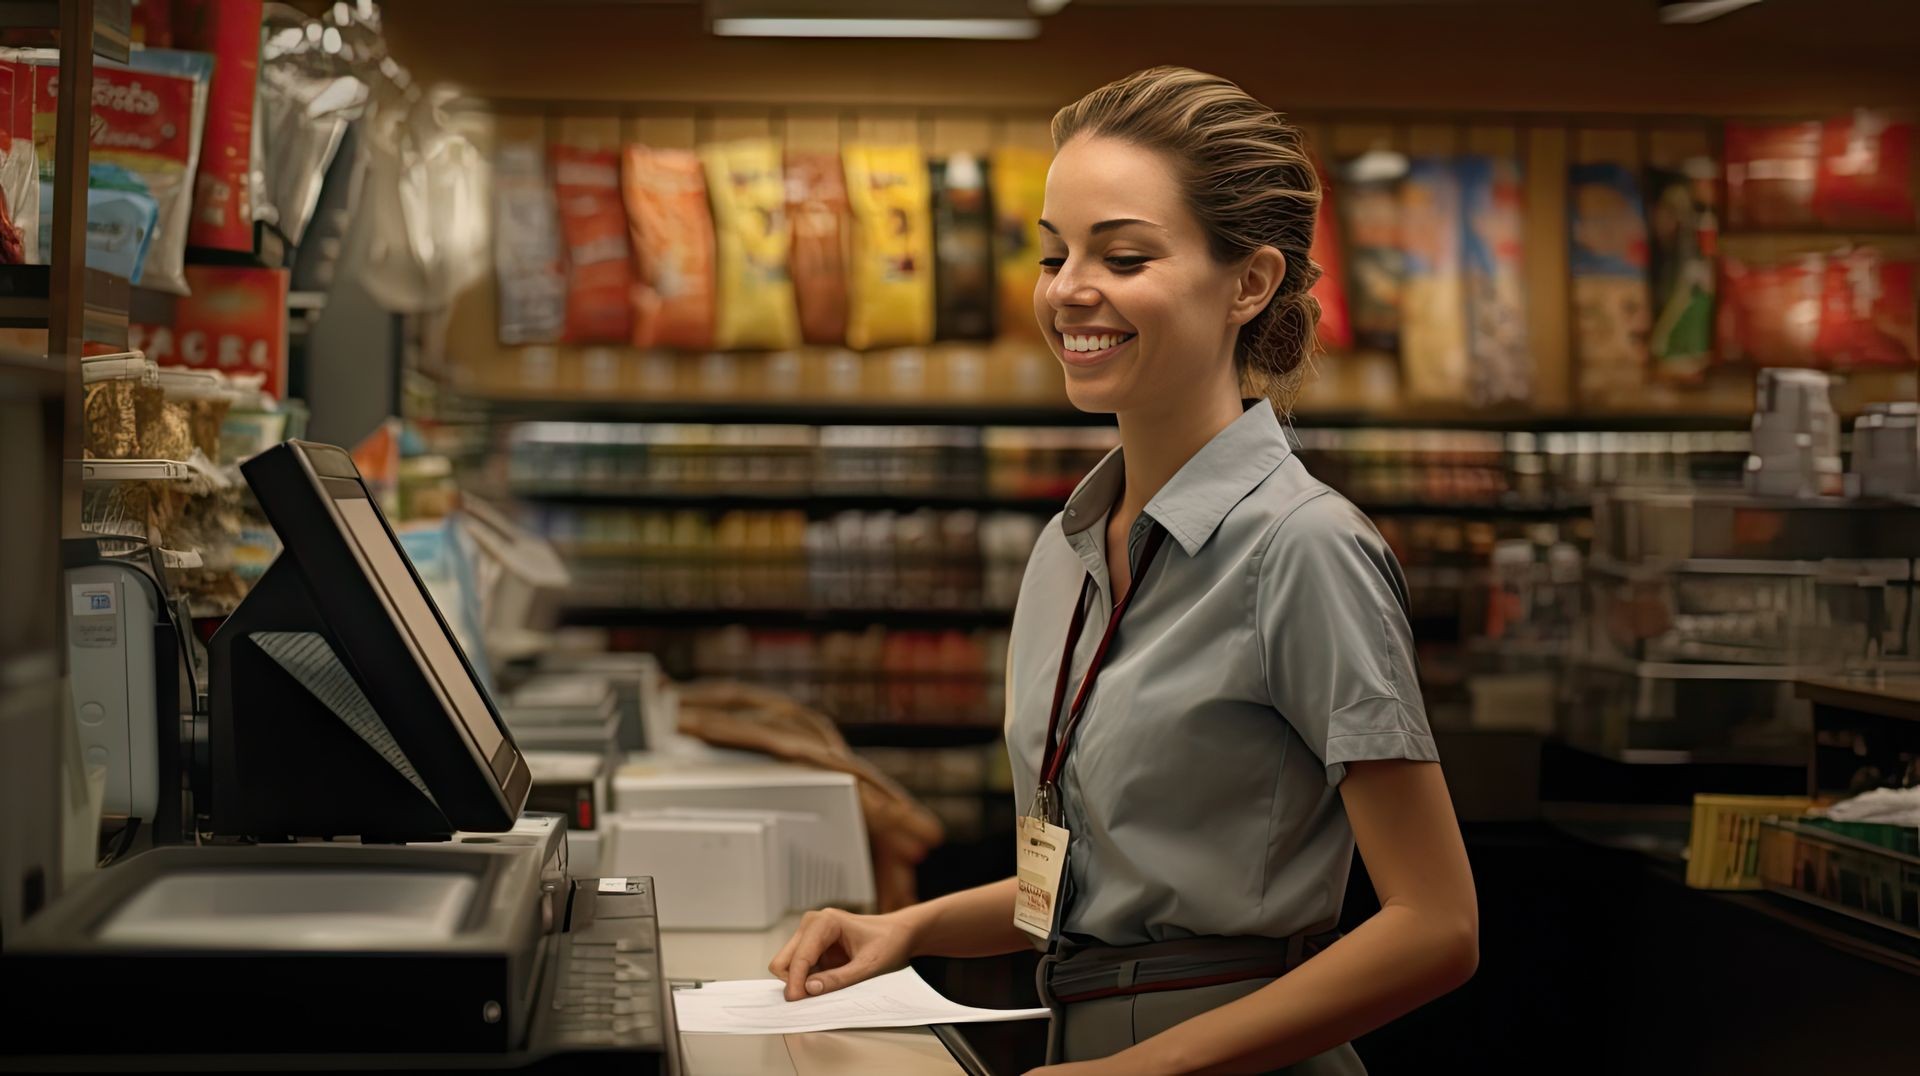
1076 973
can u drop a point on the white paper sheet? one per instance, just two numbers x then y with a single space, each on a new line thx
759 1007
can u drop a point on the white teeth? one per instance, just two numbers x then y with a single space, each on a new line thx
1076 342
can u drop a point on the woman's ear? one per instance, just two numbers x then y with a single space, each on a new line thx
1260 276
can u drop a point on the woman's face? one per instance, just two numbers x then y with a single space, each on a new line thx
1133 303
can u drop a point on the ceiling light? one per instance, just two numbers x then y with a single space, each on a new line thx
977 29
1676 11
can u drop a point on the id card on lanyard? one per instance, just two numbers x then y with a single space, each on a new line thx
1040 855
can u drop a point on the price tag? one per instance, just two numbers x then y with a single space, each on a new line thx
907 372
539 367
613 885
843 373
719 373
966 372
602 372
656 373
783 373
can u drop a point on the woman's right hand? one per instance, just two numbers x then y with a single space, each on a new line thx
834 949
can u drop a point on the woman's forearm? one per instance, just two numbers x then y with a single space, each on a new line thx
972 922
1391 964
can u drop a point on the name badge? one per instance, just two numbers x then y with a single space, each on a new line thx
1039 861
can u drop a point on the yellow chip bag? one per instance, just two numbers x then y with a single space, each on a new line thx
747 183
1018 180
890 275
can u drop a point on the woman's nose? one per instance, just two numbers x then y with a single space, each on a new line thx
1069 288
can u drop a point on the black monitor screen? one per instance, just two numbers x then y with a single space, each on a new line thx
383 626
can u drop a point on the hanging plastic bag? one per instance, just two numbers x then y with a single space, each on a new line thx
423 231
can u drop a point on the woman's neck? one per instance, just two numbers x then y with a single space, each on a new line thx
1157 442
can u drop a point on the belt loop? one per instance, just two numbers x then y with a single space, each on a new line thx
1128 970
1296 947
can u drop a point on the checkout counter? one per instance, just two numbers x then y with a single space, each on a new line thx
360 888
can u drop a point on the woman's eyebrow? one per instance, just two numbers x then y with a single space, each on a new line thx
1105 225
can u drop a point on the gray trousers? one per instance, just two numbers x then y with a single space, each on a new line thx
1100 1026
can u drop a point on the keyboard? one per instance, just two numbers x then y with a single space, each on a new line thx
604 991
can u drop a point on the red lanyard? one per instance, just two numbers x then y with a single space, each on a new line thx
1060 740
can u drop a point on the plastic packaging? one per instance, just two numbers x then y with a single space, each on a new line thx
19 168
306 104
1865 177
146 119
599 265
1493 222
1683 230
891 297
121 216
527 262
963 249
1433 345
1330 291
665 192
1608 260
1770 313
1369 200
421 230
1018 179
1771 170
752 241
222 211
817 208
1867 312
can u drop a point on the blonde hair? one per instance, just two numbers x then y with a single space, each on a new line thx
1249 181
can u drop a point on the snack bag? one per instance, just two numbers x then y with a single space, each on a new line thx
528 263
1867 311
1683 238
817 210
586 184
1770 174
1865 176
891 294
146 121
673 248
19 171
1336 328
1433 330
1770 313
1493 219
222 214
1369 202
1608 260
963 249
749 193
1018 181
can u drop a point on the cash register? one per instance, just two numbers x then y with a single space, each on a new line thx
363 891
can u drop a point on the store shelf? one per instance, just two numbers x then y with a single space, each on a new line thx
615 614
26 300
1503 509
112 23
780 412
823 503
903 734
135 471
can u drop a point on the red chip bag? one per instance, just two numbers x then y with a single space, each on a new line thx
1867 314
1770 313
673 244
586 184
1770 174
817 207
1336 328
1865 177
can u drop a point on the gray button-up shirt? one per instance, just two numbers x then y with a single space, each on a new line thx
1267 648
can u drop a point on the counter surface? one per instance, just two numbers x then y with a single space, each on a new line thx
707 954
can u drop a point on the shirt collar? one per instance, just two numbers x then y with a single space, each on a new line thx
1201 493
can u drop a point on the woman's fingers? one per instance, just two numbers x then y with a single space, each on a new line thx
821 982
814 939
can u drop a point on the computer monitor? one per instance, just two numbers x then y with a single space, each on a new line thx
342 703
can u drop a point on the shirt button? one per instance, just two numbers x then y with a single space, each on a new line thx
1071 514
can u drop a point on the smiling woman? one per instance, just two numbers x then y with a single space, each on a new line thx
1189 825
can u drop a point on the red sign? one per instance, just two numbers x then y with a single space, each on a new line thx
235 322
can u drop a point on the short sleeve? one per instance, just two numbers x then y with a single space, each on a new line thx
1330 613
